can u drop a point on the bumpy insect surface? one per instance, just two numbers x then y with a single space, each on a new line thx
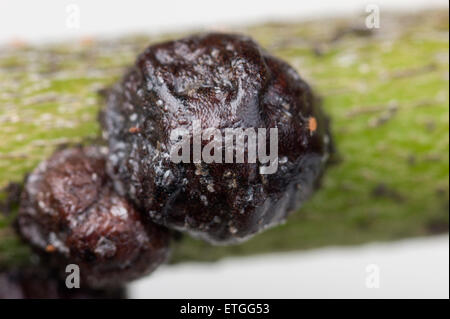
223 81
70 212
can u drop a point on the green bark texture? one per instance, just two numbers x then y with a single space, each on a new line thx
386 91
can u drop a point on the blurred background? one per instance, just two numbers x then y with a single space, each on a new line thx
410 268
47 20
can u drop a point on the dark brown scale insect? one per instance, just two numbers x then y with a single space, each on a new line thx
223 81
70 212
37 282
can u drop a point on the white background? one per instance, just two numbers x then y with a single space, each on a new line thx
417 268
414 268
46 19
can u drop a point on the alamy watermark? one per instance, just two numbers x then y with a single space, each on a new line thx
229 146
373 17
373 276
73 16
73 277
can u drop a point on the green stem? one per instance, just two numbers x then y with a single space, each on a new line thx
386 91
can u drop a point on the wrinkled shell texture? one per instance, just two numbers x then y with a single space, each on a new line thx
225 81
70 211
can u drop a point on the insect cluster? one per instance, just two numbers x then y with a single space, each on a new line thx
110 209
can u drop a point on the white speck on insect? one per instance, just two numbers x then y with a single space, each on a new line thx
204 200
119 211
133 117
